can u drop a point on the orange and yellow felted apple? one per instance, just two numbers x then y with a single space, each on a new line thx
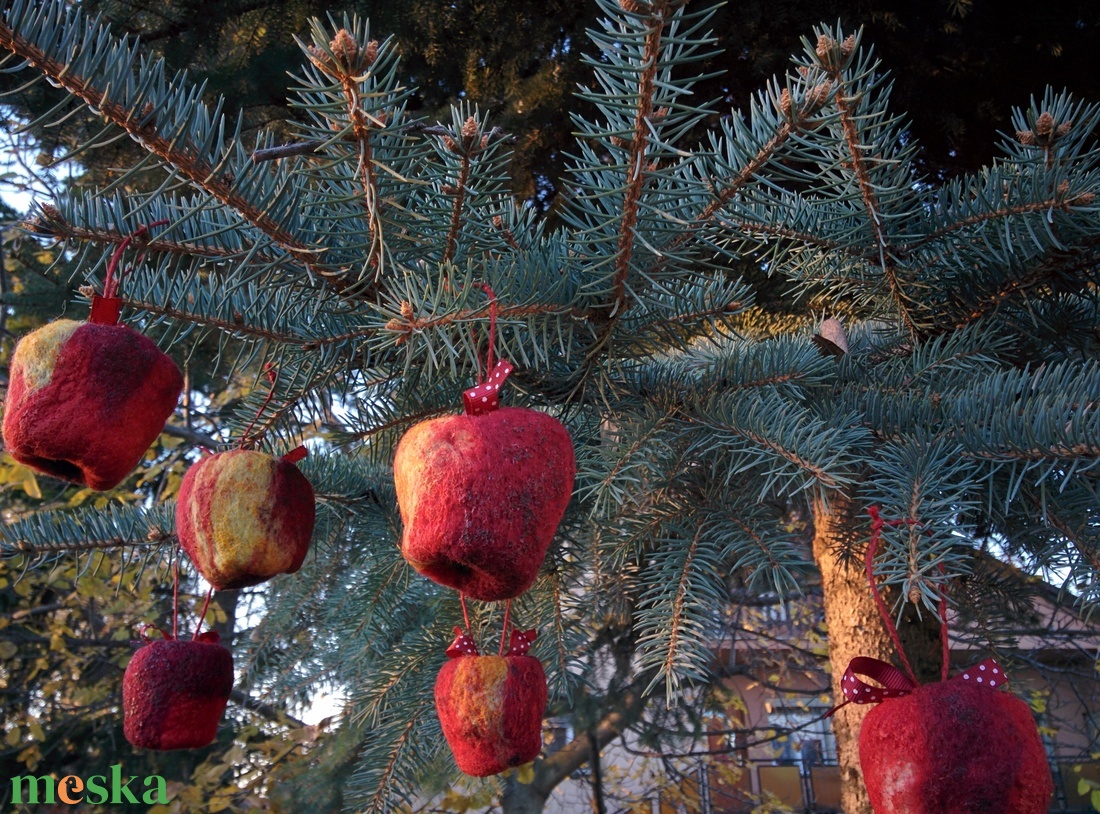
491 707
481 497
245 516
175 691
86 399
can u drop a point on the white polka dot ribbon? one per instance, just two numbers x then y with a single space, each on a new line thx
463 645
521 642
896 684
486 396
988 674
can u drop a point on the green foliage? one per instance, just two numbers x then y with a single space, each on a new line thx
352 261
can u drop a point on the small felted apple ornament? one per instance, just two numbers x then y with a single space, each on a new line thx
244 516
959 746
175 691
481 494
491 707
86 399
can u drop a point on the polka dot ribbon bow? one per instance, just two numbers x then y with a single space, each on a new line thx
463 645
486 396
895 683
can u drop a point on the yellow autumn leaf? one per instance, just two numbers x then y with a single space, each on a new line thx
526 773
14 737
30 485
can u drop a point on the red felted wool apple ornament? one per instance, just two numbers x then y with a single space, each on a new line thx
245 516
86 399
491 707
175 691
962 746
481 494
956 747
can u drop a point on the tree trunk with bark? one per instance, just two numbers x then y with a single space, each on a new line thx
855 628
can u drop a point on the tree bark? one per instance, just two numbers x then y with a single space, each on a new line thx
855 628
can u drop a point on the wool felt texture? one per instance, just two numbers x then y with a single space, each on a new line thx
491 709
481 497
954 748
175 691
86 400
244 516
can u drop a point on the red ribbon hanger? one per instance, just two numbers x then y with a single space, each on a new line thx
895 683
485 397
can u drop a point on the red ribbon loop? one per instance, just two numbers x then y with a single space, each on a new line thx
463 645
486 396
105 310
295 455
896 684
521 642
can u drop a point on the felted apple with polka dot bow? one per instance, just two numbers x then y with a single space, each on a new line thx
954 747
491 707
960 746
481 494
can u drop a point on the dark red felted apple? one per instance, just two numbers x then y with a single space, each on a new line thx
481 497
174 692
245 516
956 747
86 399
491 710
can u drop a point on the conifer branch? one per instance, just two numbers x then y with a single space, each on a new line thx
675 620
637 166
229 326
52 223
1059 202
176 152
155 538
451 244
859 167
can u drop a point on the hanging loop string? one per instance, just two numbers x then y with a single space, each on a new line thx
269 371
492 331
202 615
486 396
877 524
110 283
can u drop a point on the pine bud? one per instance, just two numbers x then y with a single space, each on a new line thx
407 311
825 50
848 46
1025 137
785 102
344 47
1063 129
819 95
498 222
469 130
484 141
914 594
1044 125
449 144
370 53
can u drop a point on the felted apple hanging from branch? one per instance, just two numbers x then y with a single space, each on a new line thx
955 747
86 399
491 707
481 494
174 691
245 516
